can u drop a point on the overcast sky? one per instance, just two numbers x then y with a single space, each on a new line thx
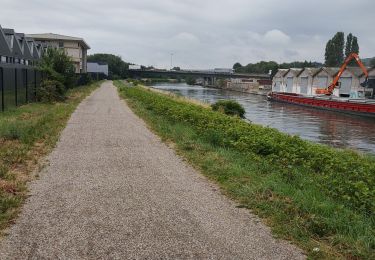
200 33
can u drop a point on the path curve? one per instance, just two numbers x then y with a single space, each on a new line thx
113 190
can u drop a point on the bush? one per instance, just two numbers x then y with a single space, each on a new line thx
51 91
229 107
190 81
56 65
58 75
84 79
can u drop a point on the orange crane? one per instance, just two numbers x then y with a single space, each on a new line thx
328 91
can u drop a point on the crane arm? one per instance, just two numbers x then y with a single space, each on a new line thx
334 83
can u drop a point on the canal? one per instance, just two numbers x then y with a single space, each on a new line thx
326 127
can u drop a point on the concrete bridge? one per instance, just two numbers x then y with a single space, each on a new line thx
209 77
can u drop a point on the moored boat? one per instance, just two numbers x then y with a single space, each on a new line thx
363 107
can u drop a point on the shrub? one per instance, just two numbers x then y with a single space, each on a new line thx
84 79
58 75
190 81
229 107
51 91
56 65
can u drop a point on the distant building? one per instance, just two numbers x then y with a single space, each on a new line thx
134 67
278 84
97 69
305 80
223 71
291 80
74 47
248 85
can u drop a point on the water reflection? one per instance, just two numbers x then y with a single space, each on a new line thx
336 129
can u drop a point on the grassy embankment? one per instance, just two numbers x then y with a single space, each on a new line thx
320 198
28 133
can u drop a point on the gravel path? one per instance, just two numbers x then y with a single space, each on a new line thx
113 190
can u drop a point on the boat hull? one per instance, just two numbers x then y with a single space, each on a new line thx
354 107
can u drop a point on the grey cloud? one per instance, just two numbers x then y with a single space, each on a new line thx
201 34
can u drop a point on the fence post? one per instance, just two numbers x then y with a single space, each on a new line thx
35 85
2 89
15 85
26 85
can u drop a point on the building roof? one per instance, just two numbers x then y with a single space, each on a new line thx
357 71
4 46
371 72
332 71
294 71
310 71
53 36
8 31
281 72
17 48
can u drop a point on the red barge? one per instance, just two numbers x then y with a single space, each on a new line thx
363 107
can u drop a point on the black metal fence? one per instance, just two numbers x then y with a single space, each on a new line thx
18 85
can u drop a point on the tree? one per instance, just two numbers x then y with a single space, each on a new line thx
330 59
351 45
348 45
263 67
355 46
372 62
176 68
237 66
334 53
117 68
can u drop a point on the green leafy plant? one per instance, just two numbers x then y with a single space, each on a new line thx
51 91
190 80
229 107
58 75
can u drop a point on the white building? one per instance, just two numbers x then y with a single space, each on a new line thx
74 47
305 81
97 67
278 82
291 80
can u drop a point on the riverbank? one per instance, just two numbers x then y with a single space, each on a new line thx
326 127
27 134
320 198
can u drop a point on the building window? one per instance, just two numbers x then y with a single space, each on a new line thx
61 44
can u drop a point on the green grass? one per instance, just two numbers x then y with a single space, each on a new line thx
27 133
313 195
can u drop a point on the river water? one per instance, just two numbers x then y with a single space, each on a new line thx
326 127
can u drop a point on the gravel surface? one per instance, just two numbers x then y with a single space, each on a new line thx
113 190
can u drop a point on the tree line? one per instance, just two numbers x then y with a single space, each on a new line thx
264 67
